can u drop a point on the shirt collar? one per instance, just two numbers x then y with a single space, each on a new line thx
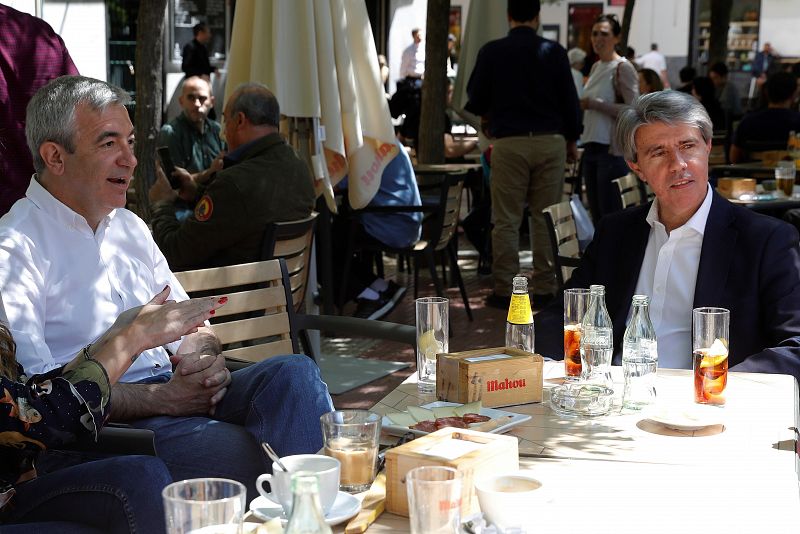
45 201
696 222
237 154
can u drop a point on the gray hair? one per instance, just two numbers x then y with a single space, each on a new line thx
257 103
670 107
50 115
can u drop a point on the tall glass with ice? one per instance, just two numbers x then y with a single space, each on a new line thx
576 301
433 329
710 335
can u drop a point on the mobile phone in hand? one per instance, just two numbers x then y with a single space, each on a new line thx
167 166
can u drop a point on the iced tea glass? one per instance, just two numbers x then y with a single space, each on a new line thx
784 177
710 335
351 436
576 301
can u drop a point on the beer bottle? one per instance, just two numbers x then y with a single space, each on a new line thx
519 324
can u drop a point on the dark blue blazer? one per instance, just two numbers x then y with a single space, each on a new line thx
749 263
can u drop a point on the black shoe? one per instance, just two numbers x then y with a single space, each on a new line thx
540 301
498 301
394 292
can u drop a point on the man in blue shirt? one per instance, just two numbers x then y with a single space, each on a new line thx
375 297
523 90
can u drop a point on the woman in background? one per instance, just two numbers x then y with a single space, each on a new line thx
70 404
612 84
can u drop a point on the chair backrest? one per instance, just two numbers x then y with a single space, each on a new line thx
450 202
629 193
255 324
292 241
563 239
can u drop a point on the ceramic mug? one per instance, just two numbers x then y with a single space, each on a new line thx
509 500
326 469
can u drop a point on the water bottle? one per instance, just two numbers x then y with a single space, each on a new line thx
639 357
597 342
306 516
519 323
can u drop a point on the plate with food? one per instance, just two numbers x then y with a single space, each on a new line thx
433 416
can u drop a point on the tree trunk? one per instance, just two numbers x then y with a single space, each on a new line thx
430 144
149 89
627 15
718 40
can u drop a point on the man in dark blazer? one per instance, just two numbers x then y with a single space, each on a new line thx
730 257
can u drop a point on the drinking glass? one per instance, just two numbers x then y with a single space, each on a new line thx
351 436
434 499
433 328
204 506
784 178
575 303
710 330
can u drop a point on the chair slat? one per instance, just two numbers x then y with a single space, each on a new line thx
291 247
256 299
296 264
257 353
231 276
253 328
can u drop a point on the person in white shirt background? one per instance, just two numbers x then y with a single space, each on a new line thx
576 58
412 64
656 61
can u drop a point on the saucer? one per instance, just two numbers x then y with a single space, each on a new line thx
687 418
344 507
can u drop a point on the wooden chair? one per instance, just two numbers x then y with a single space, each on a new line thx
292 241
259 320
441 224
563 239
629 191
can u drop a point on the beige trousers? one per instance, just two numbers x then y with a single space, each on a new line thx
525 169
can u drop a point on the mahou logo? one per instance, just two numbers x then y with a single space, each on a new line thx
497 385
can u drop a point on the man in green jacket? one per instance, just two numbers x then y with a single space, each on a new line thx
262 181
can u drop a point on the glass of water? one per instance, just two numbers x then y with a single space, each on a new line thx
204 506
433 330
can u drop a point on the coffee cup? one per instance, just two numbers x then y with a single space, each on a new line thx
510 500
326 469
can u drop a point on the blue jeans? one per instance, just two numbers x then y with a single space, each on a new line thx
599 168
115 495
278 400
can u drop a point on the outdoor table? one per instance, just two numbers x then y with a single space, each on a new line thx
753 169
623 474
776 206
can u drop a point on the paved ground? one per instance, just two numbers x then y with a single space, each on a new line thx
487 329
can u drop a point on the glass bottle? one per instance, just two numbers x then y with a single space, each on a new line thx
597 342
306 516
639 357
519 324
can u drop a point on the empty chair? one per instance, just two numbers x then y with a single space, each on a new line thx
292 241
629 190
563 239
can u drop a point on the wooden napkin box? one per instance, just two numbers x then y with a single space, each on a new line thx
496 376
483 454
735 187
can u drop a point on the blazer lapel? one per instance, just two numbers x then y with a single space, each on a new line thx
719 244
629 264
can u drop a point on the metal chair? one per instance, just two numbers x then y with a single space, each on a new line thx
563 239
629 189
441 224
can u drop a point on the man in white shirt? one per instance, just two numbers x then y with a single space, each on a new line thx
72 259
412 64
689 248
656 61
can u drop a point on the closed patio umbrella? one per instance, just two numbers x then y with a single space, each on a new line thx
319 58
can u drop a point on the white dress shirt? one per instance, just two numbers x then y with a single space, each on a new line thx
653 60
412 62
63 285
668 276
